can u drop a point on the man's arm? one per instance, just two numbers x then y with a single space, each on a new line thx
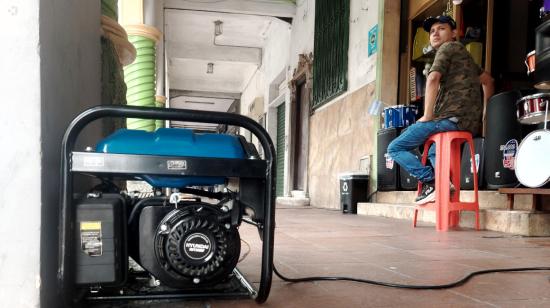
488 85
432 87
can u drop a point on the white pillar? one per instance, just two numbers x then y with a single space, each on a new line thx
51 65
20 185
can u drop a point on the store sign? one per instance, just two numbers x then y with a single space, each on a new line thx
373 40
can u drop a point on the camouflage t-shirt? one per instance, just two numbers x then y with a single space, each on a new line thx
459 93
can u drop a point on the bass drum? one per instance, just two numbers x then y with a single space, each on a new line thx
532 160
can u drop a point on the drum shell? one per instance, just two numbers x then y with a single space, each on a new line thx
399 116
531 109
391 117
503 130
419 104
409 115
533 163
530 62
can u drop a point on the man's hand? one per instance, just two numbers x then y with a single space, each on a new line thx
425 118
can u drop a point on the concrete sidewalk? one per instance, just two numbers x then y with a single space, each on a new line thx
316 242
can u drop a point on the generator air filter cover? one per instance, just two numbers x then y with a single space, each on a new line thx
100 241
174 142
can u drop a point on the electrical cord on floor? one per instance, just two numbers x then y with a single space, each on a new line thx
403 286
408 286
246 253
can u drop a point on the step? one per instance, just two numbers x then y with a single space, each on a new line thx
488 199
292 201
520 222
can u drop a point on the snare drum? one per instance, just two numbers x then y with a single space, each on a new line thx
532 159
399 116
531 109
530 62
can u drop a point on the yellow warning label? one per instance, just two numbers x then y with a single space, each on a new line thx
90 225
91 241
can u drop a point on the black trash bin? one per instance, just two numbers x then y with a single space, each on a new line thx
354 188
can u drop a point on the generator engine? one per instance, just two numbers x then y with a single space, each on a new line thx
194 244
179 240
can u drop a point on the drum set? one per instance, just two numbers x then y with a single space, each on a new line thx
532 163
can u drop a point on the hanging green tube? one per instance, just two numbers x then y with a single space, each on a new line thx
140 76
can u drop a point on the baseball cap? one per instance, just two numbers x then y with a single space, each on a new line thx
444 19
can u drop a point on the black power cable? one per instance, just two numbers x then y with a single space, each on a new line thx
397 285
407 286
403 286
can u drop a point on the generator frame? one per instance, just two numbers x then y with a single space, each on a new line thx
133 165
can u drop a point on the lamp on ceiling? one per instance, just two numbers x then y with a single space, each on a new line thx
210 68
218 27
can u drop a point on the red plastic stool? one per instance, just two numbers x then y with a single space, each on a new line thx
447 168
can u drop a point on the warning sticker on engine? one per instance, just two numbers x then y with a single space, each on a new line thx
91 242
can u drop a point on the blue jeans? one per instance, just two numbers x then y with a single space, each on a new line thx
415 135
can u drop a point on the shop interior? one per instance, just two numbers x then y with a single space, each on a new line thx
502 38
498 34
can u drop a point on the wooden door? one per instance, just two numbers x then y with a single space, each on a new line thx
301 138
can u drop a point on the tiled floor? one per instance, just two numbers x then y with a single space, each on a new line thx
321 242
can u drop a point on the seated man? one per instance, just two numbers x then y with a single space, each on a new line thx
452 102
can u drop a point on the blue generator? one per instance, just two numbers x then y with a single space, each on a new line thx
180 240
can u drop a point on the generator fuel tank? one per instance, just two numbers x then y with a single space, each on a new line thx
174 142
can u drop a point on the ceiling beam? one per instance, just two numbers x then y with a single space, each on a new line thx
214 53
205 94
207 85
261 8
